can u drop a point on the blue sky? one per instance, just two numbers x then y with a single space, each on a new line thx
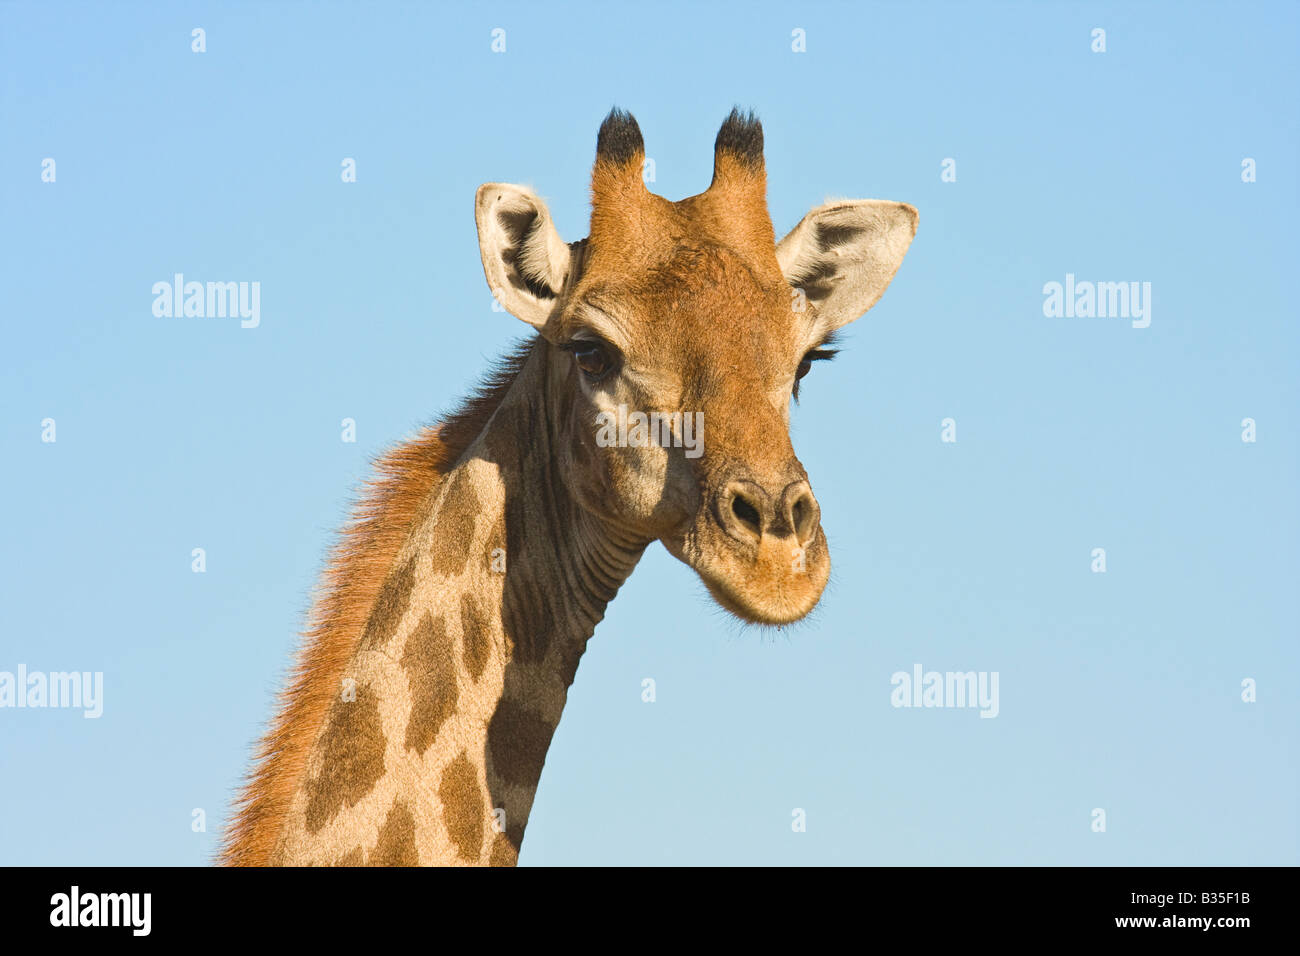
1119 690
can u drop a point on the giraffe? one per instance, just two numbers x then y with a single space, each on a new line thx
461 597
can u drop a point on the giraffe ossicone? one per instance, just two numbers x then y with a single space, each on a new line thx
460 598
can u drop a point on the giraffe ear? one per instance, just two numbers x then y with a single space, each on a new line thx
843 255
525 260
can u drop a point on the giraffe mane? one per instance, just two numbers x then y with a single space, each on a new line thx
358 564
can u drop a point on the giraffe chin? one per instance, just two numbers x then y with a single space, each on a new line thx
772 584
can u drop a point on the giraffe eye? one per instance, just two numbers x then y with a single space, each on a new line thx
596 359
805 364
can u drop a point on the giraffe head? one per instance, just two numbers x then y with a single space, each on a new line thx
677 335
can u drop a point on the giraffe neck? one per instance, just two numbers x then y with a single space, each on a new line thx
433 746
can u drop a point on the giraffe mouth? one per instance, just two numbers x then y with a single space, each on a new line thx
773 583
751 614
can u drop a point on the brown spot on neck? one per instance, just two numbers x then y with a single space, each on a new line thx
504 853
354 857
431 673
454 532
475 633
462 807
352 758
517 741
396 846
390 606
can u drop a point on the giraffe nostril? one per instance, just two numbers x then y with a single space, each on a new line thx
746 512
802 510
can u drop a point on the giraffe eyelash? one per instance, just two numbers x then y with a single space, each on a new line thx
818 354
